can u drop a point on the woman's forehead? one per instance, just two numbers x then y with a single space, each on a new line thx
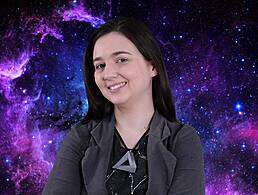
112 42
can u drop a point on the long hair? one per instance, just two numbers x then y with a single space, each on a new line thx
138 33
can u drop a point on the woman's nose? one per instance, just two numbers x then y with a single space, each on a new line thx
110 71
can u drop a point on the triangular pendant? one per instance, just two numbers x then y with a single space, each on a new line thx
127 157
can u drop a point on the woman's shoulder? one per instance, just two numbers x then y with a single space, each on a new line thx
186 129
181 129
79 135
183 134
82 129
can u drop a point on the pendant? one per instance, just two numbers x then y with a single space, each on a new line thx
129 156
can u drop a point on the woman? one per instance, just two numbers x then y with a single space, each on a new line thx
130 141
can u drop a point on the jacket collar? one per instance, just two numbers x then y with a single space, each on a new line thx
161 162
157 124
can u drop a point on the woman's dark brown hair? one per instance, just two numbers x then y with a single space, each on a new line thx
138 33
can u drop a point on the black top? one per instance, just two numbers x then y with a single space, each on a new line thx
121 182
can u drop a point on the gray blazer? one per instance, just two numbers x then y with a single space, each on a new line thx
174 152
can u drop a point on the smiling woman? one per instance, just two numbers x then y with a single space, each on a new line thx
130 141
125 78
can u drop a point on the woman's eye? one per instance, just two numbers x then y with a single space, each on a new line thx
99 65
122 60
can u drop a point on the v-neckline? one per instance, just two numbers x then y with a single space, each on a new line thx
136 145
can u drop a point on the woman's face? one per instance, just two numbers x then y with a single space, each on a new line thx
121 72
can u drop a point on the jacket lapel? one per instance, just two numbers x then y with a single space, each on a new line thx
96 159
161 162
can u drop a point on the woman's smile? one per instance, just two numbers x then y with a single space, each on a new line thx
117 88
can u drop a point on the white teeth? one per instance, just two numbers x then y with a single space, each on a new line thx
117 86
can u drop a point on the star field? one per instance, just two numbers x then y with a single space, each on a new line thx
210 52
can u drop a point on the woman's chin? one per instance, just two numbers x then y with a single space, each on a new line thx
118 101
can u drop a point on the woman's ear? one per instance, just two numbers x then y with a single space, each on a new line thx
154 71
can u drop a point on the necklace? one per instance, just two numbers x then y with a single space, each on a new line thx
128 156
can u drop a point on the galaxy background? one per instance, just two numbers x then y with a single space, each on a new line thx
210 52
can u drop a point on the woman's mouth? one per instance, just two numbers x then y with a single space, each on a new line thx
116 88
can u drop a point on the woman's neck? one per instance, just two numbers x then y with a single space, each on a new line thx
134 119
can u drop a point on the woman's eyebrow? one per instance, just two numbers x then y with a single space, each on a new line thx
113 54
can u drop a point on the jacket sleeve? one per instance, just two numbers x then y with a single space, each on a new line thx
189 177
65 177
